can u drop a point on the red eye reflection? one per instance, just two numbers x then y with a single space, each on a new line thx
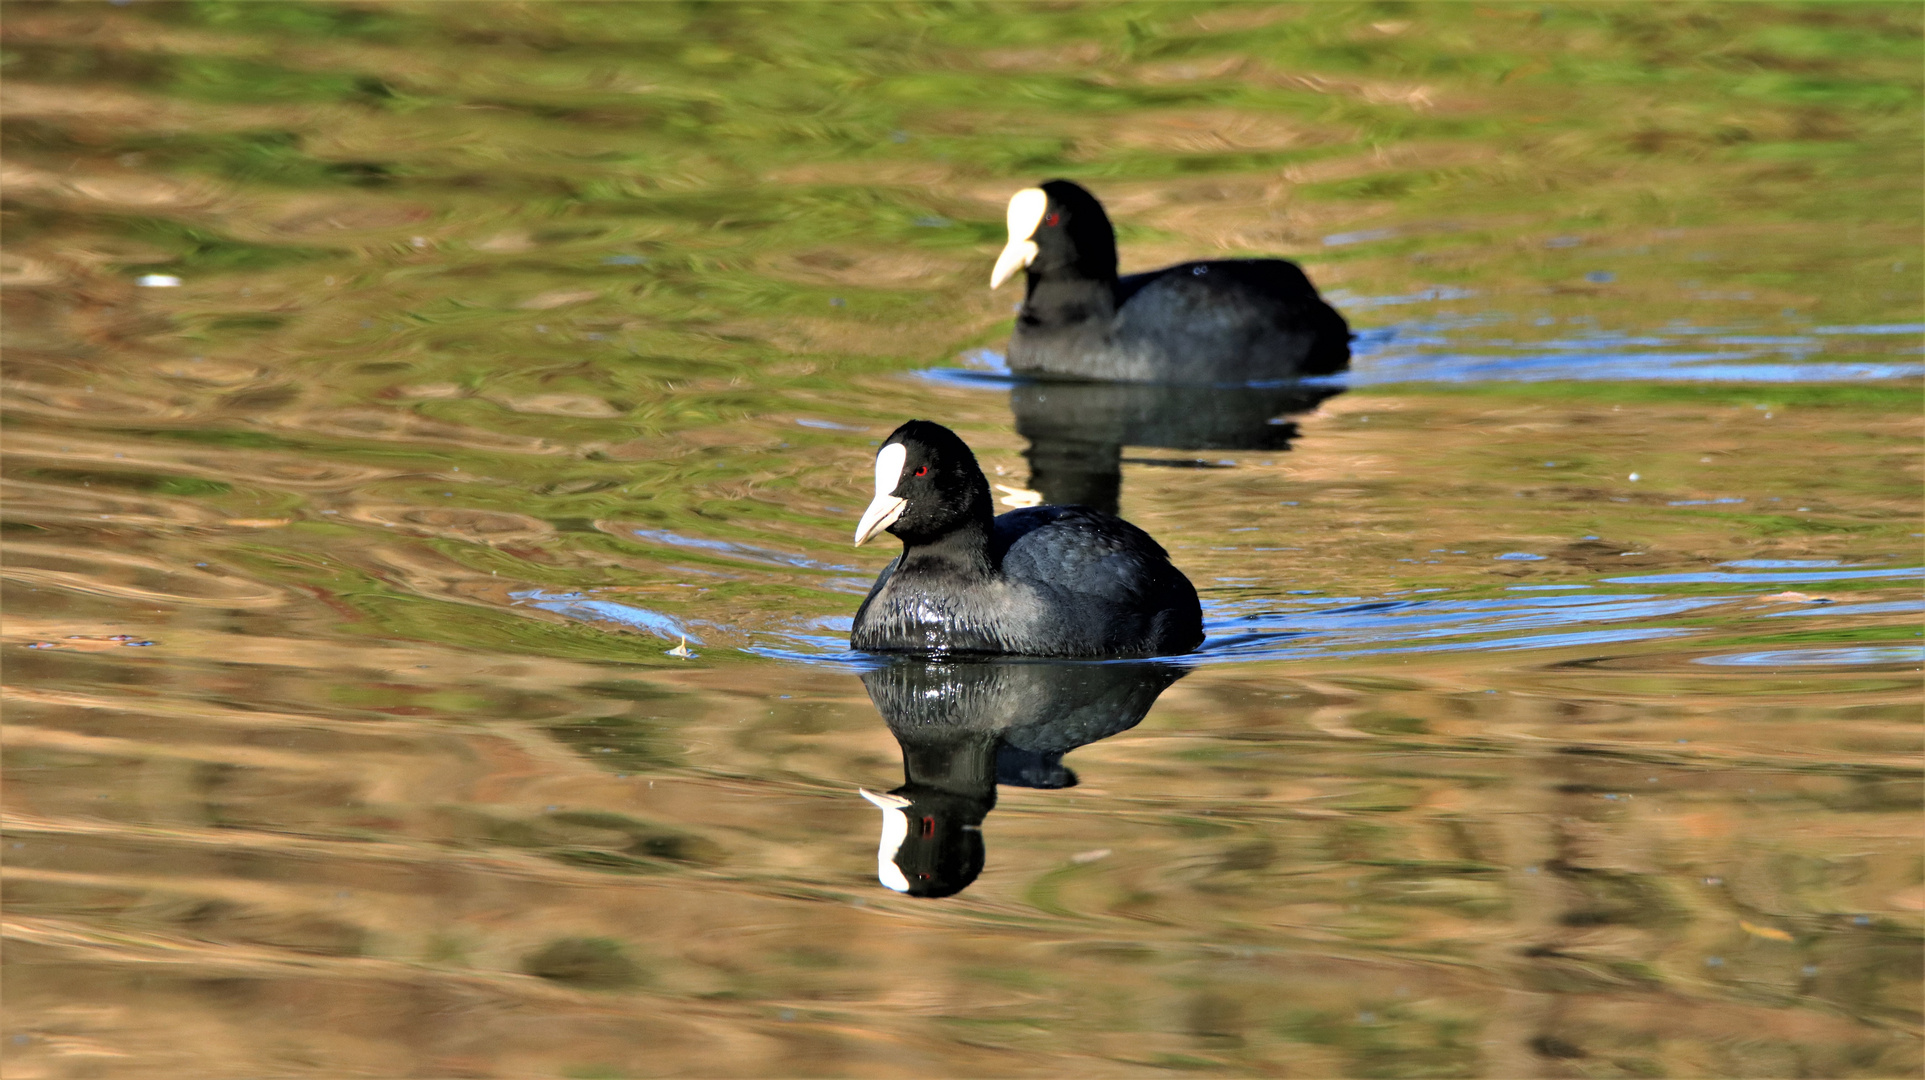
1053 219
922 470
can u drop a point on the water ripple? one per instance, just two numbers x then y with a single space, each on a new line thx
1402 626
1892 607
738 551
588 609
1706 577
1877 654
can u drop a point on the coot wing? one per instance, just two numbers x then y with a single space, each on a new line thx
1110 587
1234 320
1271 277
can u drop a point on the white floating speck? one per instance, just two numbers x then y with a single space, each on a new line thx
682 650
157 281
1634 478
1019 497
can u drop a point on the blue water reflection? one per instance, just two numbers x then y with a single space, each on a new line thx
1425 350
1438 349
1709 577
736 551
589 609
1545 616
1247 632
1878 654
1891 607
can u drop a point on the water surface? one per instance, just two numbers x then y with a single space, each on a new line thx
390 389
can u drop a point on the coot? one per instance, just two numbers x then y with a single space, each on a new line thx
1041 581
1226 321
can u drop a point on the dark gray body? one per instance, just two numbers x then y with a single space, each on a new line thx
1062 581
1233 321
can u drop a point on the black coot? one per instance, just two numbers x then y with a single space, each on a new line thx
966 728
1043 581
1228 321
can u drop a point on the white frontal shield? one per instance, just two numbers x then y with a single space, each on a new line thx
886 508
895 829
1026 209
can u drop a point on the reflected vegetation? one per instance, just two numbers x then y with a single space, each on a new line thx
389 388
966 728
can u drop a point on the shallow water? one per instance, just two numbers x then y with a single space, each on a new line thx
389 390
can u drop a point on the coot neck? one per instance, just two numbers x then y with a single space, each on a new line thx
1059 301
961 764
962 551
951 537
1071 286
1072 277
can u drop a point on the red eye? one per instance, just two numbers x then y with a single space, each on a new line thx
1053 219
922 470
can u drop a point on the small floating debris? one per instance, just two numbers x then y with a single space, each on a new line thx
682 650
1770 933
555 298
1359 236
1795 598
1019 497
1082 858
92 642
157 281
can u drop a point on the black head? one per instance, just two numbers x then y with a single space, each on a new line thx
932 840
928 485
1057 230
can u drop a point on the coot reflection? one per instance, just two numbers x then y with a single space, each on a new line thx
1077 431
966 727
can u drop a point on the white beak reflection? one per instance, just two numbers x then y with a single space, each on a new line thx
886 508
895 829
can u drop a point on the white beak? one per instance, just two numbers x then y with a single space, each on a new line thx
1019 254
887 507
881 514
1026 209
886 802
